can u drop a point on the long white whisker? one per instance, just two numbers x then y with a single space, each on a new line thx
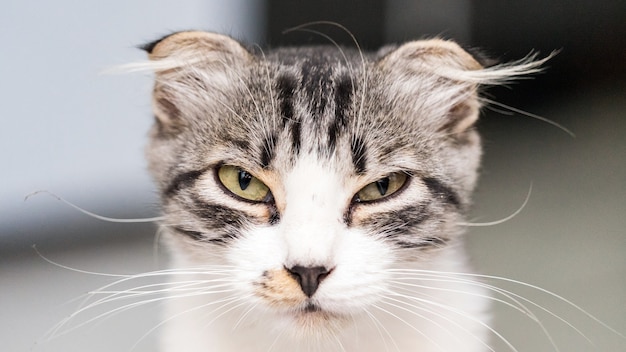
271 347
458 312
520 307
91 214
227 300
55 332
521 283
243 316
534 116
505 219
411 326
380 328
229 309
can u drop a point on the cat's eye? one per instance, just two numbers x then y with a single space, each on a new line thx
243 184
382 188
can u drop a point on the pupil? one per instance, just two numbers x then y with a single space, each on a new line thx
244 179
383 185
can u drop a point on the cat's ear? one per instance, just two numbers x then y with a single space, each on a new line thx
444 71
197 46
191 68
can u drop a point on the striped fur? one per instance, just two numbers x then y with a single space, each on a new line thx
317 125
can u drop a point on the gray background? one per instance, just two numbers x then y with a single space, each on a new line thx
69 129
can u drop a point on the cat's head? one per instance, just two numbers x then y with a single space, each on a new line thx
312 171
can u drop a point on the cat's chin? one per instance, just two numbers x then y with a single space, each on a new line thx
313 320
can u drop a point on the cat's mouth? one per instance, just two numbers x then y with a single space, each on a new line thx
311 308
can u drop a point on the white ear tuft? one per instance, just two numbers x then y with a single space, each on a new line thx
448 60
450 77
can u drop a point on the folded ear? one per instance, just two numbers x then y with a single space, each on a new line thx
434 54
439 72
191 68
203 46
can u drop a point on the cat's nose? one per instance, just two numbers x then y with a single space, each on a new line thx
308 278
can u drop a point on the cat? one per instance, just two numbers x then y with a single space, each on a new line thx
314 197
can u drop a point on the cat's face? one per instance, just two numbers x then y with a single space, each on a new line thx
312 172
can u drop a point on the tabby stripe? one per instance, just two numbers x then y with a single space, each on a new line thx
316 80
268 150
198 236
243 145
296 137
217 216
441 191
343 97
286 87
424 243
184 180
399 223
195 235
359 154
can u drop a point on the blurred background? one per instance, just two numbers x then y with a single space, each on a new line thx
70 129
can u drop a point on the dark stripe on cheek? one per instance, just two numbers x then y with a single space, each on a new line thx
401 227
182 181
397 223
222 223
430 242
442 192
359 155
200 237
194 235
217 216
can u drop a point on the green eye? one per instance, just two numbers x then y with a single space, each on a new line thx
243 184
381 188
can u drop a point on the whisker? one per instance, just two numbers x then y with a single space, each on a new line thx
271 347
520 283
91 214
534 116
244 315
411 326
453 310
229 309
111 296
227 300
50 261
505 219
380 326
518 306
57 332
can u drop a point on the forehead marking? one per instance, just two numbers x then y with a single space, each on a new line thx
359 154
268 150
316 80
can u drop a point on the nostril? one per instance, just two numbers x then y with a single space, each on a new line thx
309 278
